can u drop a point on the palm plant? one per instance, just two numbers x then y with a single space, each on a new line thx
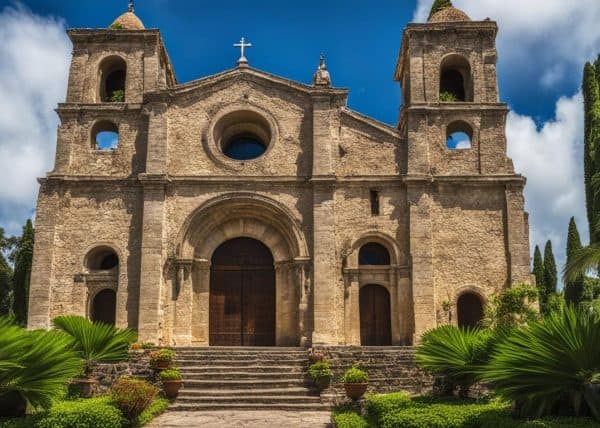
455 354
96 342
549 362
34 367
583 261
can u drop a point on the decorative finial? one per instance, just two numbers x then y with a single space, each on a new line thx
243 61
130 8
322 77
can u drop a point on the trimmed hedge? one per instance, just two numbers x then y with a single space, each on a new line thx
349 419
382 404
158 406
90 413
441 416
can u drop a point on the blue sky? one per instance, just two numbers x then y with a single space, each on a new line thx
542 47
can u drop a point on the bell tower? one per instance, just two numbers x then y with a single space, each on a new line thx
451 115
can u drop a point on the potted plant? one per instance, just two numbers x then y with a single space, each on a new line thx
161 359
321 374
95 343
172 381
355 382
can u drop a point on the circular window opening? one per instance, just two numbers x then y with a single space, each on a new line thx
243 135
244 147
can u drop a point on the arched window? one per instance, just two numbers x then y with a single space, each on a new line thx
469 308
113 75
459 135
105 135
455 79
102 259
103 307
373 254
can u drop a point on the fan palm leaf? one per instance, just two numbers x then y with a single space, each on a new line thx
455 353
583 261
547 361
36 365
96 342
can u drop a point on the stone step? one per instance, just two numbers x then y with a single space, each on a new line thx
261 399
242 348
245 383
236 362
250 406
246 392
248 374
254 368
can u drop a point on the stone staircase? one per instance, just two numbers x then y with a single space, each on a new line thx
248 378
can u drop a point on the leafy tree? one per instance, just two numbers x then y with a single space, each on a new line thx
573 288
550 276
538 269
512 308
22 274
96 342
439 5
5 278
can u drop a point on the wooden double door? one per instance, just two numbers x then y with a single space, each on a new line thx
375 317
242 295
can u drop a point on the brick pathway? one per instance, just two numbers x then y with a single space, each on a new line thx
243 418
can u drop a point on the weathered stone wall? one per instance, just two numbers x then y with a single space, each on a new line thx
138 365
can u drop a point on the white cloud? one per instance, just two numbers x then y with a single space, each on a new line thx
551 159
35 54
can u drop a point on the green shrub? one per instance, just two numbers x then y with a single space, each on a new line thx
170 374
456 354
382 404
355 375
148 345
157 407
320 370
512 308
448 97
550 365
117 96
348 419
132 396
162 355
115 26
91 413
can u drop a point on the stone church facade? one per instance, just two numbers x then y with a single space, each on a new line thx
247 209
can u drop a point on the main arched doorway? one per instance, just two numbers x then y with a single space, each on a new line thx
242 294
104 305
375 318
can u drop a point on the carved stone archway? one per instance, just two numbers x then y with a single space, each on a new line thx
240 215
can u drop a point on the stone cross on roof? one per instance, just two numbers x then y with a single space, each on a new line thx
242 45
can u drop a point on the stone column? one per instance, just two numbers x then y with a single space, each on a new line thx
517 233
154 182
405 313
421 251
42 278
304 287
352 307
201 302
183 297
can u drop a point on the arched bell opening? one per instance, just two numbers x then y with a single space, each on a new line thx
469 309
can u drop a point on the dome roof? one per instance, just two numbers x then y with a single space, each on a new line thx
128 21
449 14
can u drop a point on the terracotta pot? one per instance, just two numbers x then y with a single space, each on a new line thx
322 383
355 390
172 387
87 386
161 364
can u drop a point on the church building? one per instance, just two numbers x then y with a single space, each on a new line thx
247 209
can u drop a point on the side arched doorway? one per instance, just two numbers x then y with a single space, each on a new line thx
375 317
469 308
242 294
104 306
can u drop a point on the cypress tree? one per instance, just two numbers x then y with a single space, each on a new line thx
5 279
538 269
550 276
591 158
22 273
573 289
439 5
